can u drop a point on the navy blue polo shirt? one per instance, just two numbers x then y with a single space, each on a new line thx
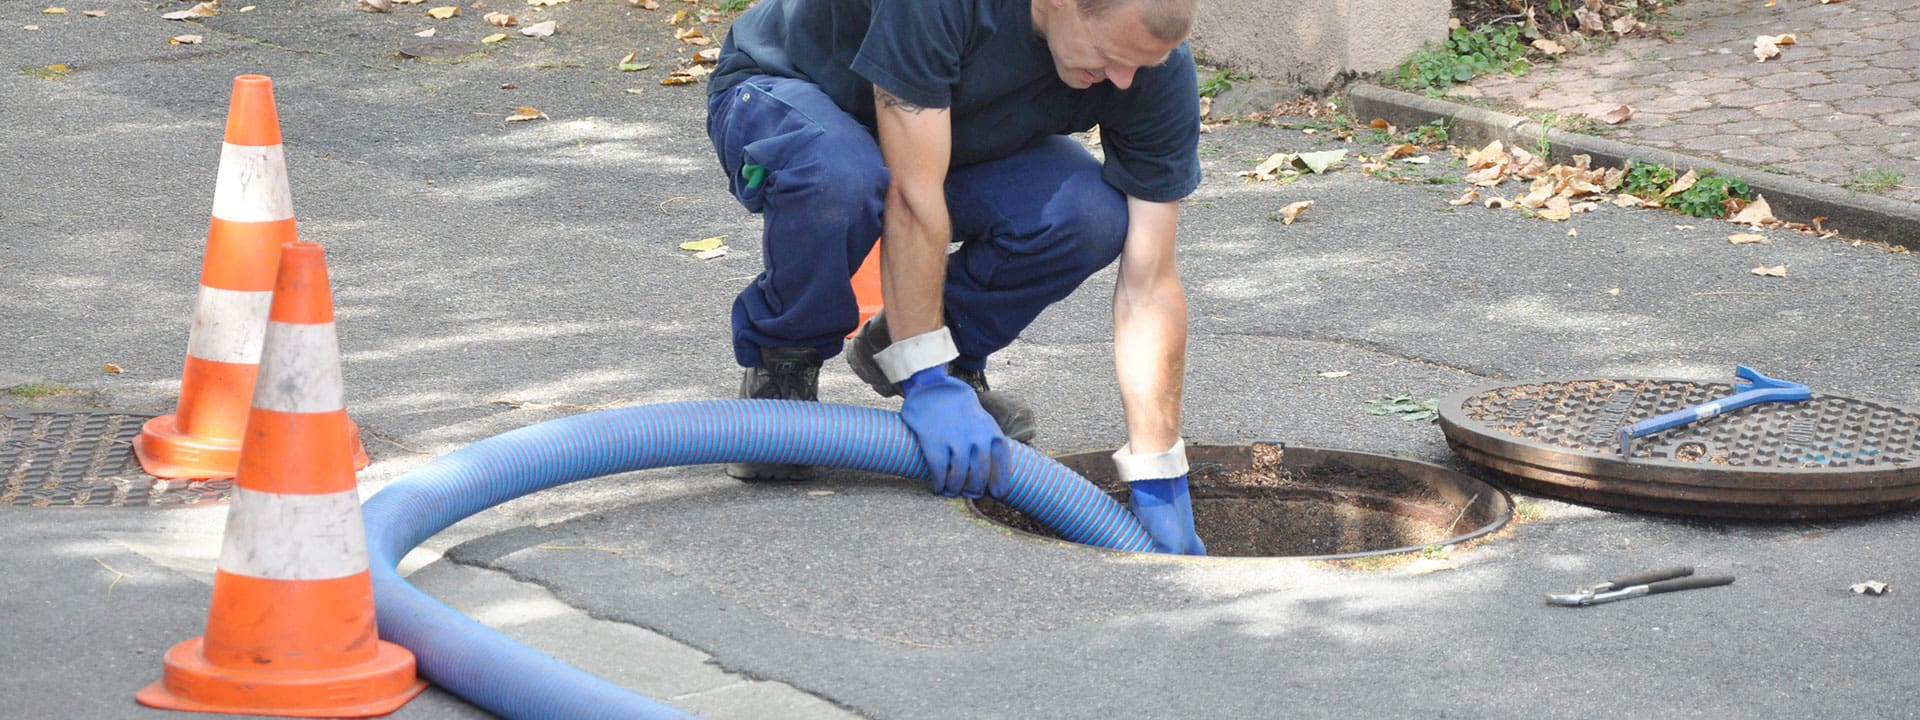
983 60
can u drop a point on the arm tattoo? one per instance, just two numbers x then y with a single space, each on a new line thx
894 101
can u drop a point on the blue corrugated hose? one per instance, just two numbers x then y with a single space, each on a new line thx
516 682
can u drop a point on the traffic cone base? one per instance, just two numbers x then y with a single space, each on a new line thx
376 687
165 451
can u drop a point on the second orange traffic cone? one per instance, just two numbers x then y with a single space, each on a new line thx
252 218
291 631
866 288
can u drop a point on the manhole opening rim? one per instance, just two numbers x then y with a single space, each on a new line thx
1498 496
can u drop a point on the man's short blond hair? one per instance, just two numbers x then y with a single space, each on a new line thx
1168 20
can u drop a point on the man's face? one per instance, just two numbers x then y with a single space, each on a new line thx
1087 50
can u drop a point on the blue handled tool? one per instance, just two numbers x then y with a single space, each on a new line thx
1753 387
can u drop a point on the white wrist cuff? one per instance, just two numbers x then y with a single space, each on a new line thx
905 357
1156 466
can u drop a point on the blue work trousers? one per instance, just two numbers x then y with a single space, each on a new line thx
1031 226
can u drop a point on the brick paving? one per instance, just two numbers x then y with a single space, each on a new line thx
1843 101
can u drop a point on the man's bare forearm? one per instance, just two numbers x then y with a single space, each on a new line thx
1150 328
916 143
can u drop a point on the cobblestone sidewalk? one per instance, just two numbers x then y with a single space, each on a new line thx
1840 106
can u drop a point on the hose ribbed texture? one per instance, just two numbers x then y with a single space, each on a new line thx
513 681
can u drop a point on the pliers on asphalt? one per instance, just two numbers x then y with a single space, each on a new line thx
1633 586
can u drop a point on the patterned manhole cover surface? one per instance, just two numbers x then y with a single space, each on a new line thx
85 459
1827 456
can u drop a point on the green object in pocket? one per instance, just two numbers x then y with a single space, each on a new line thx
754 174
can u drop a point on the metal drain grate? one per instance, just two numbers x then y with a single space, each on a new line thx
1826 457
85 459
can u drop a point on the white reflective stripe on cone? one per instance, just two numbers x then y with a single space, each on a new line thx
300 370
294 537
229 325
252 186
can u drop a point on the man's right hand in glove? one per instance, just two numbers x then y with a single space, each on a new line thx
961 443
963 446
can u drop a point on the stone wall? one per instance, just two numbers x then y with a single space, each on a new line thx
1310 45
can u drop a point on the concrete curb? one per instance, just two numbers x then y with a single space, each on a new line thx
1856 216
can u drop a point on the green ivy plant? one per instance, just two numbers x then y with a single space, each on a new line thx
1709 195
1465 55
1646 180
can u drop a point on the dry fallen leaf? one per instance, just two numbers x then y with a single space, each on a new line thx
711 254
819 493
1615 116
1746 238
1681 185
376 6
1768 46
54 11
1336 374
1779 271
494 38
500 19
94 13
644 4
1292 212
679 17
205 9
1614 292
1401 150
1549 47
544 29
443 12
687 75
29 27
692 36
1499 203
185 40
429 32
1555 214
545 3
1469 196
1756 213
709 56
1573 232
1871 587
703 245
525 113
111 368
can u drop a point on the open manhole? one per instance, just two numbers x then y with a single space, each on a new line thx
1824 457
1268 500
85 459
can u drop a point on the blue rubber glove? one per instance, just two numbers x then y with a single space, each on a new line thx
1166 511
963 446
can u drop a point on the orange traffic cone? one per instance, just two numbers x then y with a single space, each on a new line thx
866 288
291 630
252 218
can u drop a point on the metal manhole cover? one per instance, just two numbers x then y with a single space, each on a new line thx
85 459
1824 457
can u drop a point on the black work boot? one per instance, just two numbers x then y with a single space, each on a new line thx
1015 417
786 373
